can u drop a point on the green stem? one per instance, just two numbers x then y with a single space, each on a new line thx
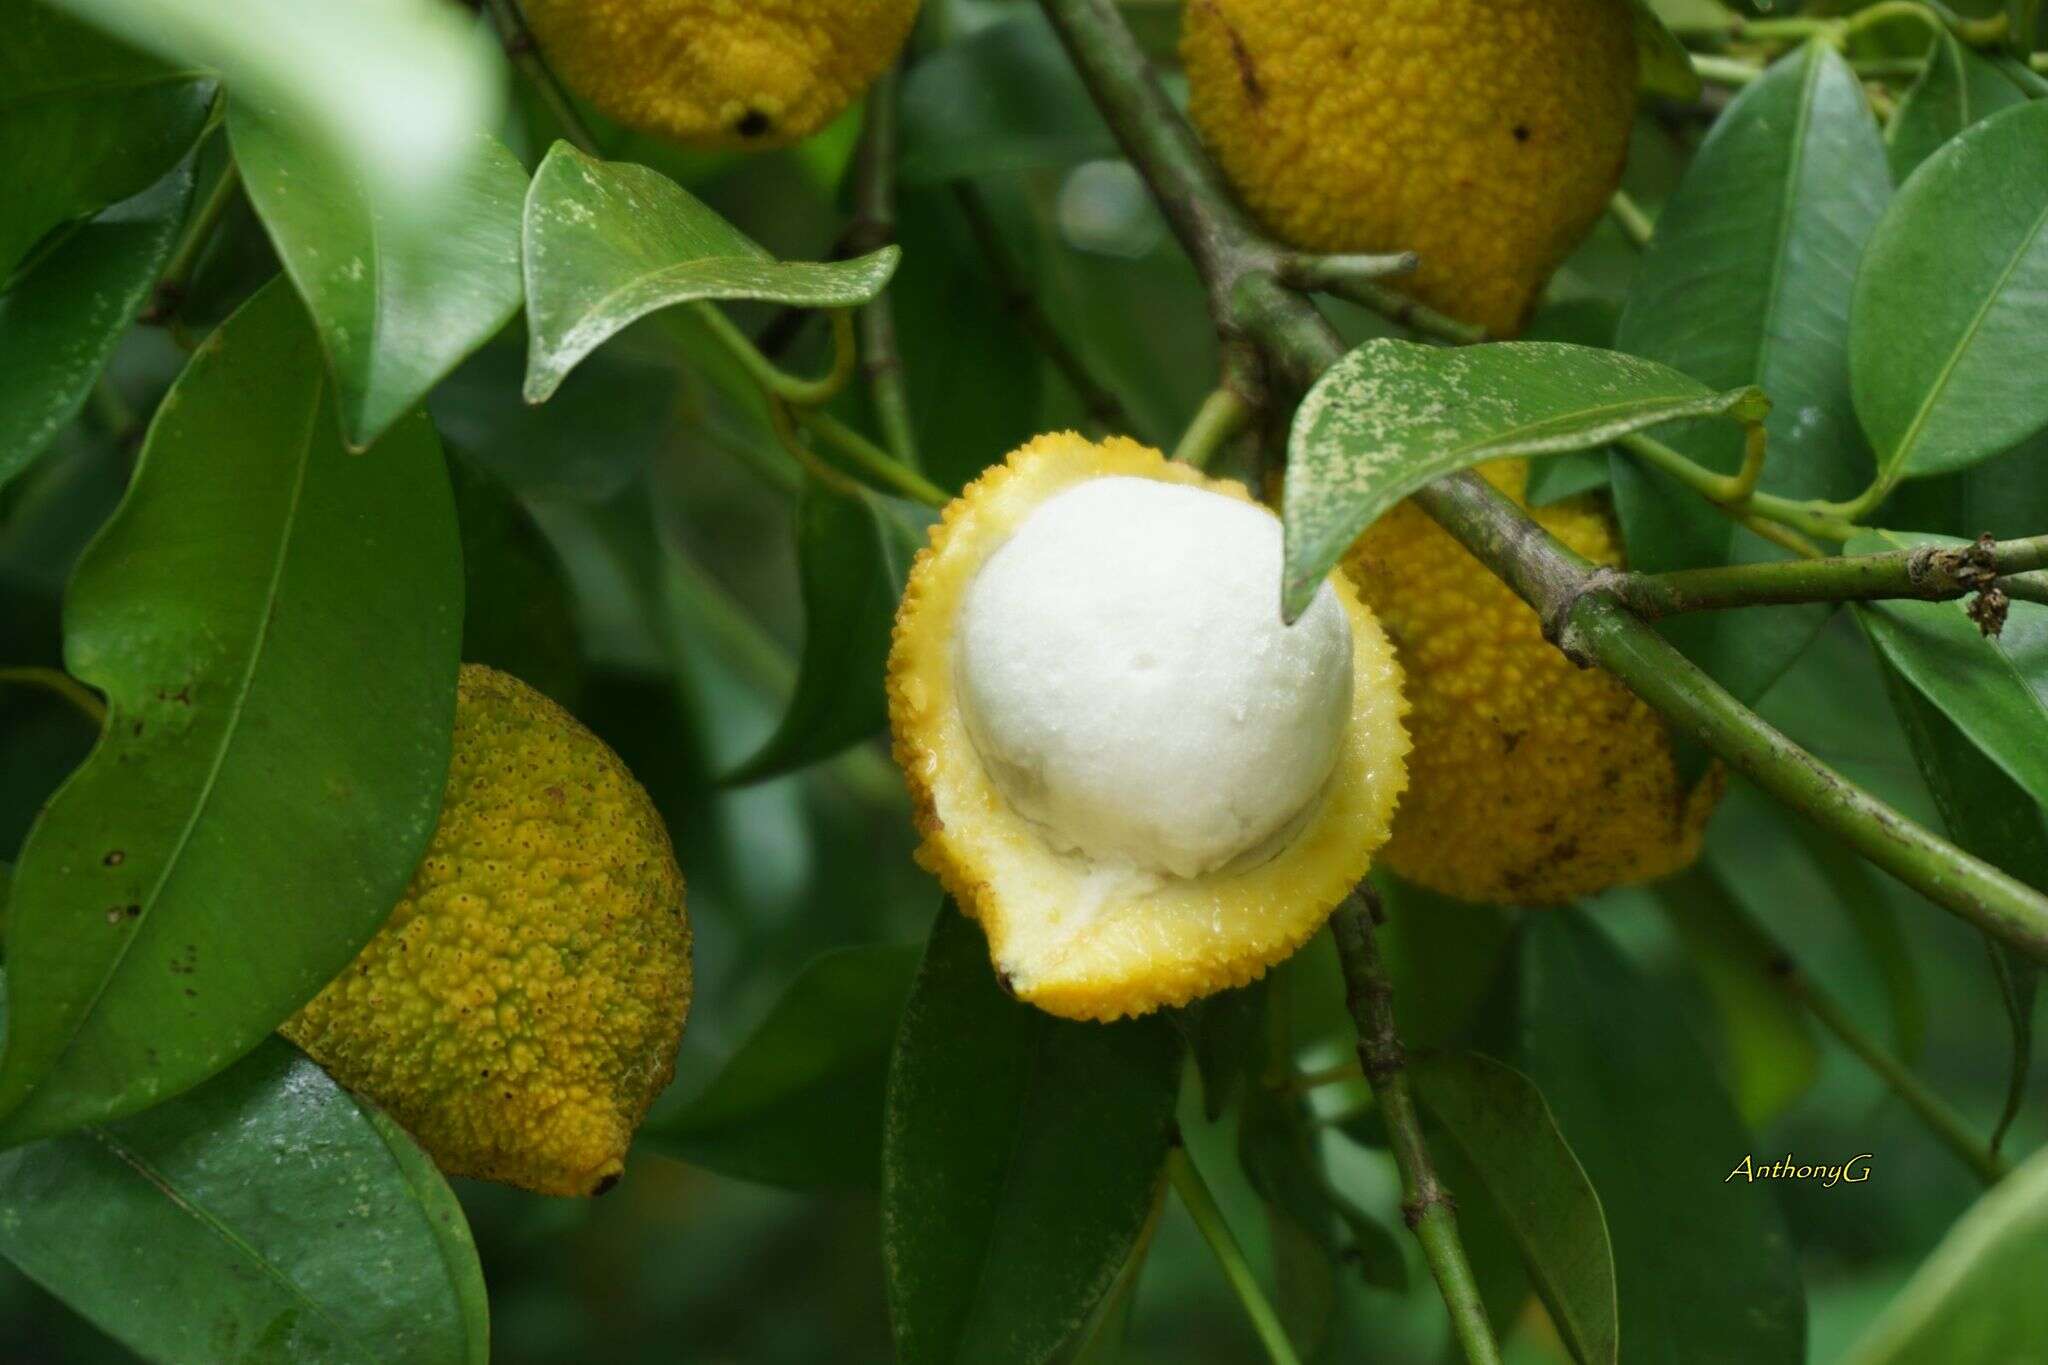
1726 70
1737 492
1628 215
1335 276
871 459
1201 1206
1104 409
775 381
874 227
1426 1203
1928 574
172 285
63 684
525 55
1223 414
1329 274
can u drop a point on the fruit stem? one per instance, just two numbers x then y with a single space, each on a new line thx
1725 70
1629 216
1430 1211
777 382
874 227
524 54
63 684
871 459
1223 414
1925 574
1201 1206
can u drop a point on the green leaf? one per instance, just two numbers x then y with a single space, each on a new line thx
1957 89
1995 688
1748 281
608 243
2019 985
1500 1123
265 1216
1101 1339
1445 958
800 1102
1976 1299
852 556
398 89
516 613
1704 1266
85 122
59 323
1226 1034
1000 101
276 627
1959 264
1583 322
397 306
1697 18
1854 888
1393 415
1280 1159
1772 1054
1664 65
1019 1158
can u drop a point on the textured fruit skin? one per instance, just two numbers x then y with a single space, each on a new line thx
1487 135
722 73
521 1008
1059 939
1533 781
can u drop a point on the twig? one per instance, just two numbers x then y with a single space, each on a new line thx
172 286
1356 279
871 459
874 227
1104 409
1201 1206
1223 414
1629 216
1926 574
1726 70
524 54
1426 1204
775 381
63 684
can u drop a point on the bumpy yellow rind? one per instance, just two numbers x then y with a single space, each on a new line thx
1141 948
742 74
1487 135
521 1008
1533 781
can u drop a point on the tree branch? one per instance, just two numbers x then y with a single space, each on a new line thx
1583 611
1427 1205
1927 574
874 227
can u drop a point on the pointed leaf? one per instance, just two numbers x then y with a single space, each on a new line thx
1976 1300
1020 1154
1960 264
1393 415
265 1216
852 556
1664 64
608 243
275 625
1704 1267
59 323
1500 1123
1748 281
1956 89
85 121
398 306
800 1102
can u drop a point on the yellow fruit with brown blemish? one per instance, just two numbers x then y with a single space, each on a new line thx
1485 135
1533 781
1143 785
722 73
521 1008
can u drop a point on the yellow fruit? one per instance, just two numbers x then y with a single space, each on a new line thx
1487 135
521 1008
1105 772
1533 781
722 73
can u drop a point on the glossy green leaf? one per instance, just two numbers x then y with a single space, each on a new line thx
397 88
275 624
1393 415
1704 1266
1280 1159
800 1102
1445 958
1101 1339
266 1216
1976 1299
397 306
1665 67
85 121
1504 1129
607 243
1226 1034
999 101
1994 688
1957 89
1855 889
1959 264
1019 1158
1582 322
852 555
2019 986
1772 1055
59 323
1748 281
516 612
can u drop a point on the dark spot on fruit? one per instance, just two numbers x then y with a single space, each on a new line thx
604 1186
1521 132
753 123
